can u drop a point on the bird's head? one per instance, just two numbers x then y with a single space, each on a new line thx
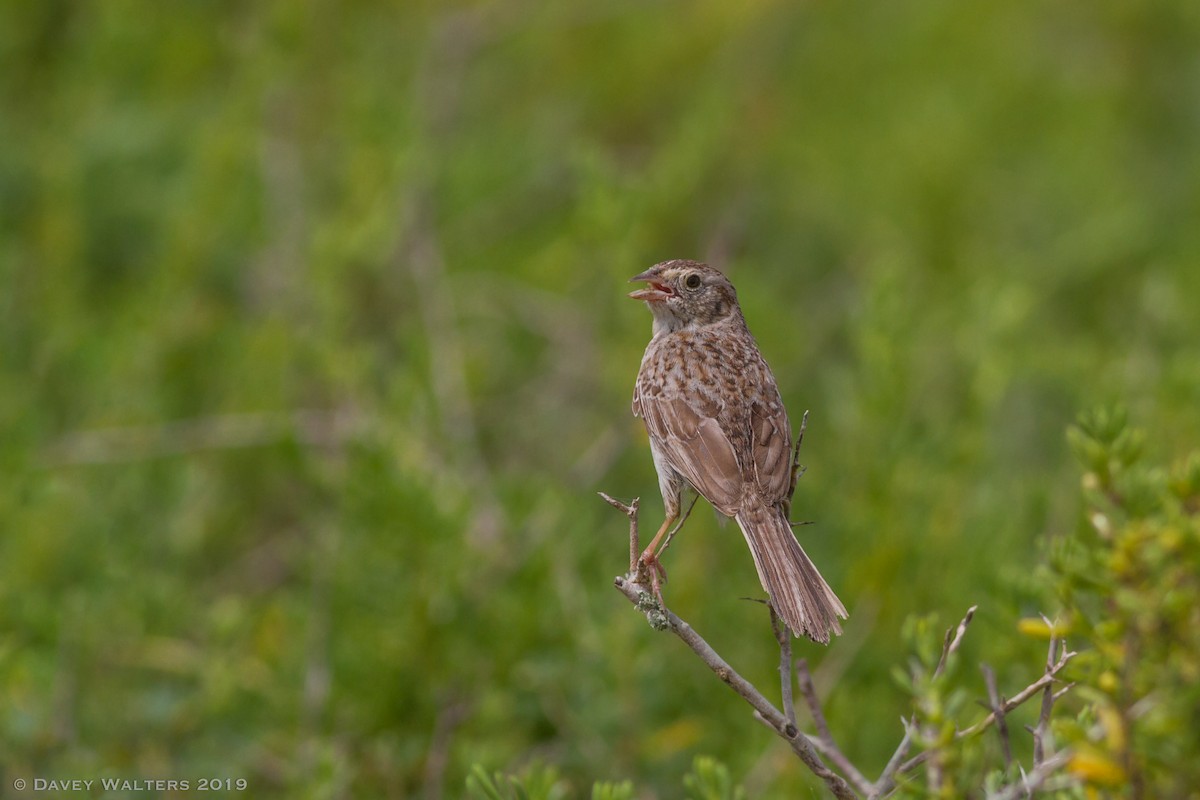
686 294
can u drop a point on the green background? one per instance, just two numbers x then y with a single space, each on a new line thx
314 352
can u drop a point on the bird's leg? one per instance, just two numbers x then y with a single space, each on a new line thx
649 558
671 535
653 554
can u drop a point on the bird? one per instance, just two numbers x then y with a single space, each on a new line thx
717 424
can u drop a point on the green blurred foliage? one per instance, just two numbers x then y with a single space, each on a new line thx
314 351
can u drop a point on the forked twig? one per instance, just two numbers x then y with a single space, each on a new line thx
1042 731
850 784
1048 678
662 618
630 511
824 739
641 595
887 779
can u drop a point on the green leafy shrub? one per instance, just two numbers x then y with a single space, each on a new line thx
1130 580
536 783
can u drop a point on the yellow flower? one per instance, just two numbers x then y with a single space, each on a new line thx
1114 728
1037 628
1096 767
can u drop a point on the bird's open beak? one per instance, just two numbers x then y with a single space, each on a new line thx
654 293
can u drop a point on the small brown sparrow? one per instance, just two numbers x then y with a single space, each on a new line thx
717 424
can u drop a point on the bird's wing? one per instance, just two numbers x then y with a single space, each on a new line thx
696 447
772 445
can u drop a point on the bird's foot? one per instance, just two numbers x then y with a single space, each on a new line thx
649 565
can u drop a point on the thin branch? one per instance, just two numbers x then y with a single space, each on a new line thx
784 637
1020 697
1006 707
824 739
950 645
996 702
914 762
810 699
797 470
1066 688
641 596
887 778
1042 731
661 618
630 511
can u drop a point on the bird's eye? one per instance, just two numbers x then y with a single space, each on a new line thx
692 281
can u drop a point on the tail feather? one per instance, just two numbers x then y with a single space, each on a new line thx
798 592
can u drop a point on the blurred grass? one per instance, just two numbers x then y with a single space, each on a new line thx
951 227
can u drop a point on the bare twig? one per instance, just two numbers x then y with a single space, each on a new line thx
1066 688
995 703
824 739
950 645
912 763
887 779
1020 697
1042 730
1001 709
784 637
811 700
1007 707
797 470
630 511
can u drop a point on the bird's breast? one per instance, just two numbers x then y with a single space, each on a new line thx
717 373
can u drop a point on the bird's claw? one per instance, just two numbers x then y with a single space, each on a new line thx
649 565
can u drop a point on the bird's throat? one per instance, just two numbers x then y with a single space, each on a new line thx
665 320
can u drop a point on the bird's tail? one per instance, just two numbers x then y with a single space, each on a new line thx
798 592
